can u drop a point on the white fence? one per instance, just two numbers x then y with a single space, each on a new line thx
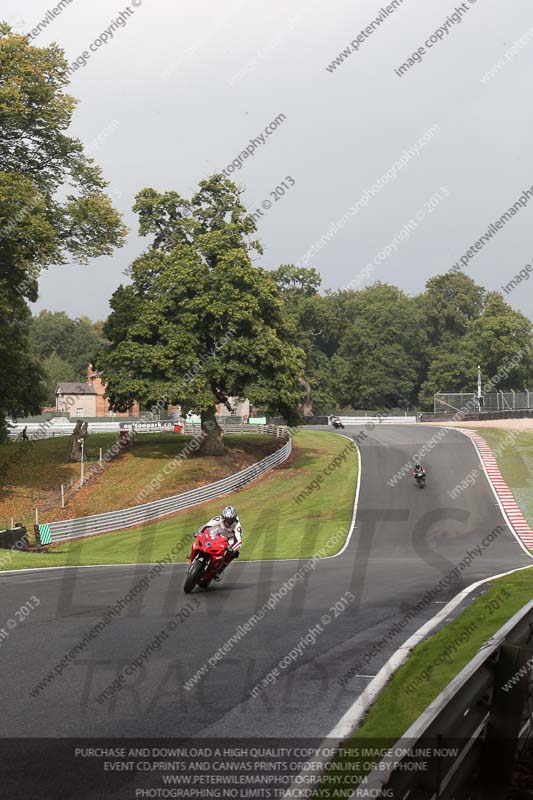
40 430
139 515
378 420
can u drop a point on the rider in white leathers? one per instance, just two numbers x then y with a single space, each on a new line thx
227 524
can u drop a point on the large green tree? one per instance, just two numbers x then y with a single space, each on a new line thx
481 330
53 205
75 341
449 304
56 370
199 324
500 342
311 315
381 348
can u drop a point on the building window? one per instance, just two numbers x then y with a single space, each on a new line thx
79 412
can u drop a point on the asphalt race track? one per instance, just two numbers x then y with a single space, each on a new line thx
405 541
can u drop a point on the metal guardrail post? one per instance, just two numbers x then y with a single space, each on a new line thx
503 727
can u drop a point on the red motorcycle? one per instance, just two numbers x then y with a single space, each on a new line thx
208 556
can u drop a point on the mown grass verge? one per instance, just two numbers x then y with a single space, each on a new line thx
276 524
418 682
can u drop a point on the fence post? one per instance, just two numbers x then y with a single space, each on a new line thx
62 496
100 456
36 516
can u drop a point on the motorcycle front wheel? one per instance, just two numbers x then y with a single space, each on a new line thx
193 574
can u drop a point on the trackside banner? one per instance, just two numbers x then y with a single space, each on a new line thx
147 427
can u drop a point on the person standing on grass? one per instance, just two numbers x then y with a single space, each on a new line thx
25 434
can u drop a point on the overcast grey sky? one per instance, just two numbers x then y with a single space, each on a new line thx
179 91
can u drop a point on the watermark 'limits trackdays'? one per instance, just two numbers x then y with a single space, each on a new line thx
309 639
273 600
107 618
155 645
18 616
428 598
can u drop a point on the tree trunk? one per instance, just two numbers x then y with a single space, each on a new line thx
79 432
307 403
213 441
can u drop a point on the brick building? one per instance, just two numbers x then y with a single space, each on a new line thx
102 403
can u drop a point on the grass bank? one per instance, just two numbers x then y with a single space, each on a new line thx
37 470
292 512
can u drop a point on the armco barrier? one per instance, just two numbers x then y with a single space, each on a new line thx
484 711
65 530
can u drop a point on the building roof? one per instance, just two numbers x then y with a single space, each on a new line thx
77 387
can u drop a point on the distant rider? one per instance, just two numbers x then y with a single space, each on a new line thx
419 472
229 525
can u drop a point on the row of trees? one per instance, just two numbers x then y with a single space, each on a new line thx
371 349
199 323
64 347
380 348
289 346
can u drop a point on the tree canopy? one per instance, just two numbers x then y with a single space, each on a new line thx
64 347
53 205
378 348
200 324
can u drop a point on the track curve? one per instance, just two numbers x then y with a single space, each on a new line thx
405 541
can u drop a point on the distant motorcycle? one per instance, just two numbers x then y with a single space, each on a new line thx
208 556
335 421
420 478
